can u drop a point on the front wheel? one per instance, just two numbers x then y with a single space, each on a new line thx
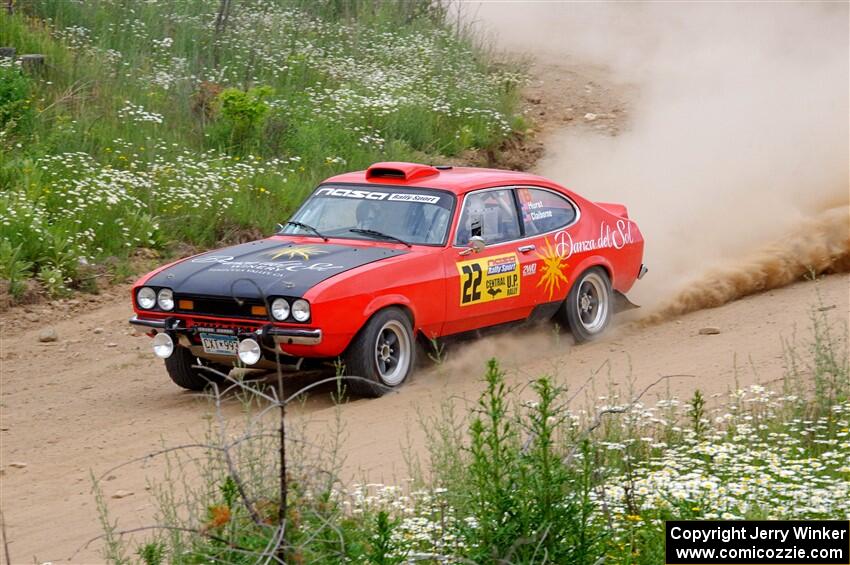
181 371
382 355
588 307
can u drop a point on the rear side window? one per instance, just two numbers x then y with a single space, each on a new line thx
544 211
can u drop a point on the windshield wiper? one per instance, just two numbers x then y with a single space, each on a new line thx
376 233
308 228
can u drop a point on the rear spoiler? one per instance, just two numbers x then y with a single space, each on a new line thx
616 209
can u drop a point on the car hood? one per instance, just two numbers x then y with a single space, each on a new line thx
267 267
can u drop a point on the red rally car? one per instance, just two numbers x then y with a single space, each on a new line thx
375 261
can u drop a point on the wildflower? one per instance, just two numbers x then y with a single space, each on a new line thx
219 515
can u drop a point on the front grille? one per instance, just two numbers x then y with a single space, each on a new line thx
215 306
199 327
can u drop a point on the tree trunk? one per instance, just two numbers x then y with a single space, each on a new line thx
220 26
34 65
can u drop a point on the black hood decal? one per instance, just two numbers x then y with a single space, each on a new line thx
267 267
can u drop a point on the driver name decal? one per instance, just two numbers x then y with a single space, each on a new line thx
488 279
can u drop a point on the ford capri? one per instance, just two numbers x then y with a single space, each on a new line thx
376 263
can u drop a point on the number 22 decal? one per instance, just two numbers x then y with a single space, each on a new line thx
471 283
488 278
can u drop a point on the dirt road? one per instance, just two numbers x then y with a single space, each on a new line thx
97 397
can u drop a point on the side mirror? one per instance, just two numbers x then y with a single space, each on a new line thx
476 245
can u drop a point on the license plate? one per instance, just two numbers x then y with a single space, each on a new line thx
220 344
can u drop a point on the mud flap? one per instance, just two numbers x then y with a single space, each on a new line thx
621 303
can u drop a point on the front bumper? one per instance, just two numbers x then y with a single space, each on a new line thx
268 332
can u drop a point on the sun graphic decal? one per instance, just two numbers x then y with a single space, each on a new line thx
298 252
552 269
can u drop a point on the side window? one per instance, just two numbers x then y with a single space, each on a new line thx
490 214
544 211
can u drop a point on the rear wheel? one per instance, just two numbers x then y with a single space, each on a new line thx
588 307
383 354
181 371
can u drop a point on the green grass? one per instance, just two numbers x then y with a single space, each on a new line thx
153 125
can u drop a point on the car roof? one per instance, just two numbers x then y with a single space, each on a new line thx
458 180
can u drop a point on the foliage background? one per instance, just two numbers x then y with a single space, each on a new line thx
201 121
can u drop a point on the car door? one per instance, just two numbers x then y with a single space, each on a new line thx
484 287
546 219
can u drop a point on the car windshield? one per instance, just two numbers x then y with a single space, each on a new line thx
412 215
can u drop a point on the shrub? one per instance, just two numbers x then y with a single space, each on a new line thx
53 280
16 108
241 117
13 268
523 499
152 553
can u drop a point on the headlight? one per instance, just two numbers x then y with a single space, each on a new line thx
301 310
280 309
165 299
249 351
146 298
163 345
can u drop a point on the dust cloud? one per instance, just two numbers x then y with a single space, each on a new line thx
823 250
734 161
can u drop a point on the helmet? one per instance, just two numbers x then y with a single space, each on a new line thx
367 214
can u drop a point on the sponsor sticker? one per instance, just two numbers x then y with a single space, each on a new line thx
351 193
206 330
488 279
616 237
378 195
296 252
552 270
226 264
497 266
423 198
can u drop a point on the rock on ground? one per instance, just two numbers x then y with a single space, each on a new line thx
48 335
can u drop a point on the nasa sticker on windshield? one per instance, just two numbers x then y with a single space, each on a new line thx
488 279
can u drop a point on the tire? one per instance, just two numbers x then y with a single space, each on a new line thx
179 367
588 309
383 354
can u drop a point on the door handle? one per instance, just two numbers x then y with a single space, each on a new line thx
526 248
